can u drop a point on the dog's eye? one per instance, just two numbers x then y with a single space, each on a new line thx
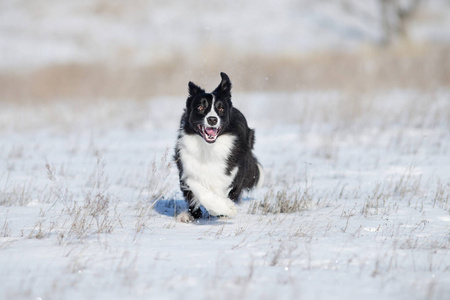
221 110
200 108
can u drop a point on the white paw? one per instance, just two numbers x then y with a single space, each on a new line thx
225 208
185 217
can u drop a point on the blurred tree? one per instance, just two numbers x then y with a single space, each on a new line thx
393 16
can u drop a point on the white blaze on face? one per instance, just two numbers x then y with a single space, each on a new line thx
212 113
209 131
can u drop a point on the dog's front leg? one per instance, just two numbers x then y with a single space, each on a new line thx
215 204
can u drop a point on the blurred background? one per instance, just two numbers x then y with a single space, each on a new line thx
61 49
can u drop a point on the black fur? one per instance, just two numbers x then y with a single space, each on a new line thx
233 122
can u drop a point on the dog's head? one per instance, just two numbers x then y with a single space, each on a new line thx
209 113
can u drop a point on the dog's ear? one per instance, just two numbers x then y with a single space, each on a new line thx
194 89
224 86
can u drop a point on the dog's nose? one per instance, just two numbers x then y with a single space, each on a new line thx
212 121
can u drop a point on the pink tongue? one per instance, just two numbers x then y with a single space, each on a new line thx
211 131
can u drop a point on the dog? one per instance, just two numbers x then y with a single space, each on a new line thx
214 154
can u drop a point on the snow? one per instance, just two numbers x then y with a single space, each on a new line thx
372 174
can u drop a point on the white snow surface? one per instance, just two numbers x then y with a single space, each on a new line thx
88 194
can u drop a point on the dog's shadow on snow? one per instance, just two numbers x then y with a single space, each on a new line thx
170 207
173 207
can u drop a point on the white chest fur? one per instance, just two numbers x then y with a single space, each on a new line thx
204 171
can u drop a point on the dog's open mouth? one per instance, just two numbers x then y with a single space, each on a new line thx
209 134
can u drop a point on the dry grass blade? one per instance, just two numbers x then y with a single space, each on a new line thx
282 202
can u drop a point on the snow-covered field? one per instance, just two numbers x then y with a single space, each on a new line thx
356 200
355 203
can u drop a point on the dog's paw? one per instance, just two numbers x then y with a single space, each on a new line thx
185 217
228 210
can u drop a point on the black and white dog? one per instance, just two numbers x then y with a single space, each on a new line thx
214 152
